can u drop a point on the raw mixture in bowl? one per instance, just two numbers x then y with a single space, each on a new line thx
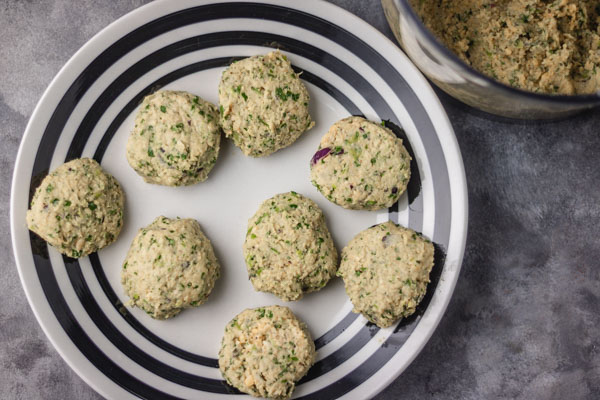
546 46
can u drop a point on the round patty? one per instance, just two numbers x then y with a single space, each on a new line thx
78 208
175 140
360 165
170 266
386 271
265 351
288 248
263 104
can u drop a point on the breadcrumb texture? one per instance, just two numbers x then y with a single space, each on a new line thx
360 165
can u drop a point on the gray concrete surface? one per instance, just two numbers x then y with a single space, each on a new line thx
524 320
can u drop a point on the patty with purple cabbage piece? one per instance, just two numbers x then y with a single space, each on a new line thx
360 165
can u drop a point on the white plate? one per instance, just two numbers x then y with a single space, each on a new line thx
88 111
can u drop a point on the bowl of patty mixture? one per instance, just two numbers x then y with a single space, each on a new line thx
524 59
288 248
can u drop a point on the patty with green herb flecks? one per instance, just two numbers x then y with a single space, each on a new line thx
265 351
360 165
78 208
386 271
263 104
175 140
288 248
171 265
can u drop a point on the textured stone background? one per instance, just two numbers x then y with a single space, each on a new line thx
524 320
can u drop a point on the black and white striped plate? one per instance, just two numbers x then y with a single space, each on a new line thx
88 110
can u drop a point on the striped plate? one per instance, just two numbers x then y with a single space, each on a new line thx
349 69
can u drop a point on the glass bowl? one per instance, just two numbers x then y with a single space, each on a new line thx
466 84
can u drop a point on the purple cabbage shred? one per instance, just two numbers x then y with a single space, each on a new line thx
320 154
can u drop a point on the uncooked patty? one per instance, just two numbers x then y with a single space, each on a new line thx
170 266
288 248
386 271
263 104
78 208
265 351
175 140
360 165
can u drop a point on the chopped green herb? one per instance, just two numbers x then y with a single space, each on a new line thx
262 121
279 92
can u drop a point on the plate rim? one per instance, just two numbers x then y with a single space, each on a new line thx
377 40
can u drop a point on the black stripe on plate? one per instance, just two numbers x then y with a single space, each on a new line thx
362 337
126 346
169 22
189 69
213 40
441 235
413 189
185 46
77 335
389 347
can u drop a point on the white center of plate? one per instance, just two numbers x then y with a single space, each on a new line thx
222 205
